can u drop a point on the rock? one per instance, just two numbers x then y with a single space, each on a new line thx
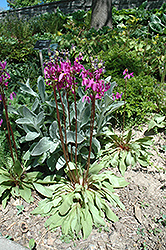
138 213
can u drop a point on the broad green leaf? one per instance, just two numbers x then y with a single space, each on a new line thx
110 214
42 146
5 198
26 193
43 190
129 158
87 224
53 130
40 118
95 215
31 136
122 164
115 159
71 137
25 121
66 204
47 207
32 244
60 163
35 105
84 117
152 124
95 168
2 189
116 181
56 201
4 178
129 136
117 200
18 169
54 221
26 88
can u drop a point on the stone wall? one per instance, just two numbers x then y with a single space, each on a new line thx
129 4
70 6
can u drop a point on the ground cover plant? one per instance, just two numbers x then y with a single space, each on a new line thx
62 125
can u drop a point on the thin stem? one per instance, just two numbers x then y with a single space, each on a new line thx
68 107
64 119
123 124
7 123
61 137
75 103
91 135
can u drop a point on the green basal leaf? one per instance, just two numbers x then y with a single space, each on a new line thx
116 181
4 178
25 193
96 167
110 214
66 204
66 225
5 198
115 158
18 169
43 190
2 189
95 215
129 136
86 224
129 158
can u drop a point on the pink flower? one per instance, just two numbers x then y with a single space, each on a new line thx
1 122
13 94
3 74
127 75
117 96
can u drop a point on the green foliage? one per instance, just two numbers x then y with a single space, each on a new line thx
41 138
123 151
32 244
24 3
77 210
15 181
158 121
142 99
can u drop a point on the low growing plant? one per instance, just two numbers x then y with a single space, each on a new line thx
123 150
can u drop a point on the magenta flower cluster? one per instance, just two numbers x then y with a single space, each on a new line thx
127 75
94 84
63 75
3 74
117 96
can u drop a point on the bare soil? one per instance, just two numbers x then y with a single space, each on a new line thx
141 226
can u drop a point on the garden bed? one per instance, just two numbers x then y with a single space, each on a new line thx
141 226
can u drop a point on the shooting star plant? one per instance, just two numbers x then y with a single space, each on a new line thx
79 200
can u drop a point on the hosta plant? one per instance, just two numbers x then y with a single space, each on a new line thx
123 151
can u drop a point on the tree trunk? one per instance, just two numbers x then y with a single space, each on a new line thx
101 14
